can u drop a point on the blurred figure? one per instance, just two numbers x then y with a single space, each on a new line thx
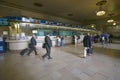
86 43
58 41
110 38
78 39
74 39
33 45
81 38
62 41
92 38
48 45
104 38
96 38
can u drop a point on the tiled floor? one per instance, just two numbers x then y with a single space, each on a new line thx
67 64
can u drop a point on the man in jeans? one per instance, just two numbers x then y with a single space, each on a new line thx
86 43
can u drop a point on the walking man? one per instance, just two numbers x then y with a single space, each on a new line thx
48 45
33 45
86 43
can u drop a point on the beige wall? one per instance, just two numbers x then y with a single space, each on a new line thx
115 30
3 28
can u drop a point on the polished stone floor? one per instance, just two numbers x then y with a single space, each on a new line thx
67 64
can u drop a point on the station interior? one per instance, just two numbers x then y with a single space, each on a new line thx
70 19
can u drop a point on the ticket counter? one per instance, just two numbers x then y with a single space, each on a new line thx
17 44
22 44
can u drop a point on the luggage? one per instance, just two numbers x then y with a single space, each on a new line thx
44 45
24 51
90 50
29 45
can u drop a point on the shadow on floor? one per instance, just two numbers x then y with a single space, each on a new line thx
109 52
78 51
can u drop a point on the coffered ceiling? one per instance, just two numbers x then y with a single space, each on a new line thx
81 11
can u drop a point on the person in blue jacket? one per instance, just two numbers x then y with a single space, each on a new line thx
33 45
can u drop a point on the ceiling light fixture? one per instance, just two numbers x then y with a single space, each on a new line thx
93 25
110 18
38 4
101 12
70 14
114 23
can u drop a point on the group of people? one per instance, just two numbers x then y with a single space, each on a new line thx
103 38
87 43
60 41
48 45
77 39
88 40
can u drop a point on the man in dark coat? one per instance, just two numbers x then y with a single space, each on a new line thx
48 45
86 43
33 45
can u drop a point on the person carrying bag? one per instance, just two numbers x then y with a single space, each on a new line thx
44 45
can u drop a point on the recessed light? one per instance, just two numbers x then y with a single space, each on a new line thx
38 4
70 14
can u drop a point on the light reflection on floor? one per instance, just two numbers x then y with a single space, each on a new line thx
67 64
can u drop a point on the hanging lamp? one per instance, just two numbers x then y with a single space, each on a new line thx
101 12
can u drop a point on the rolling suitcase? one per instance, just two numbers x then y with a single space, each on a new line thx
90 51
24 51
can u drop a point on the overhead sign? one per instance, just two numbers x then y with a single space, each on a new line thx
4 22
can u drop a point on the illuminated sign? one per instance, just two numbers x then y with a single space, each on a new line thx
3 22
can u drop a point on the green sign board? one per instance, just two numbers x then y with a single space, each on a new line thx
3 22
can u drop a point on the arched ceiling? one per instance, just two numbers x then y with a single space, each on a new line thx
82 11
